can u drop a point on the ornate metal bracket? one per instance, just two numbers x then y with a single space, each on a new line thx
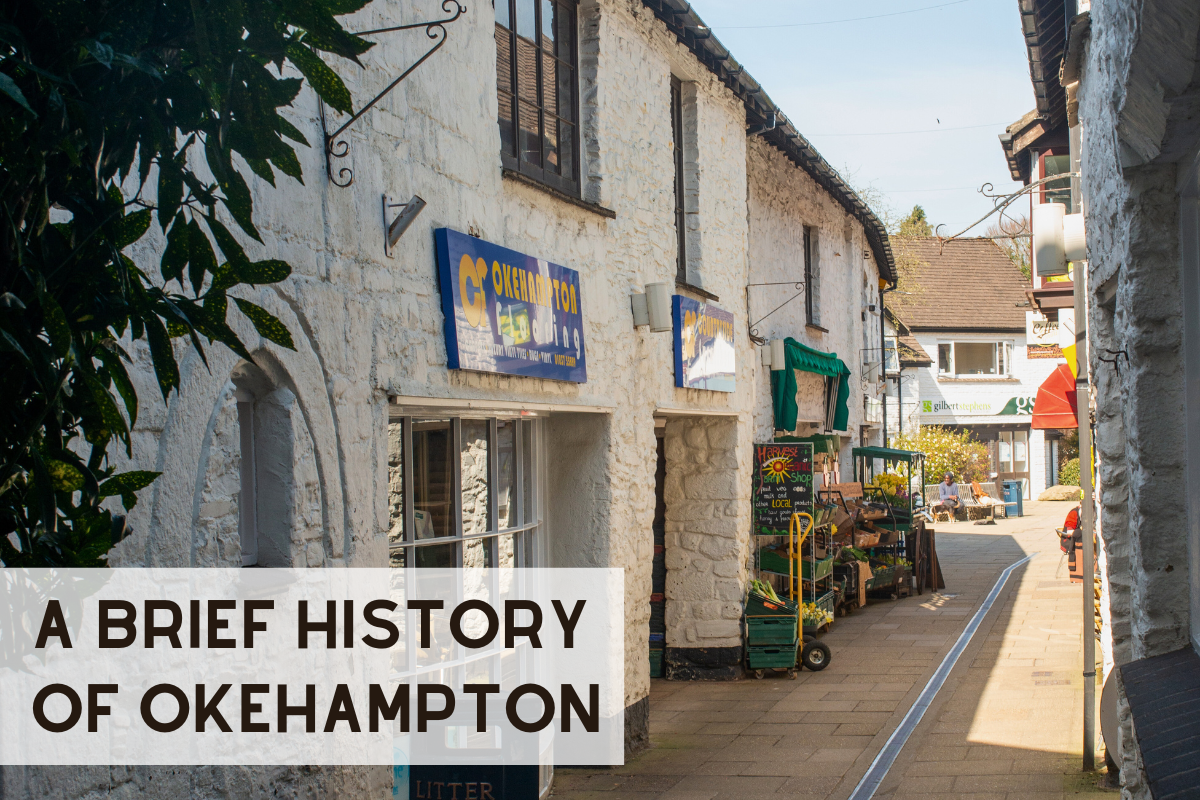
799 287
1000 204
336 147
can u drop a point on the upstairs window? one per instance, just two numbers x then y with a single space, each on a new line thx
974 359
681 275
1056 191
812 278
536 63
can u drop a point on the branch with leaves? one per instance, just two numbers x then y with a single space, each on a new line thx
106 102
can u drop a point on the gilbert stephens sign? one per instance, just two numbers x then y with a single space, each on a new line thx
1015 406
704 355
508 312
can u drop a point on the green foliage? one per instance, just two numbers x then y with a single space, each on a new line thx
915 224
1068 473
115 114
947 450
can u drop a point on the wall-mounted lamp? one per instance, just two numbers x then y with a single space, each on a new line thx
653 308
1058 238
774 356
395 228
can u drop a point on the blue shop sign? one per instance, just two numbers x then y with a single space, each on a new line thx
704 353
508 312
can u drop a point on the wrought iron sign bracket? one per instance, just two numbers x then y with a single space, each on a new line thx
1000 204
799 287
336 147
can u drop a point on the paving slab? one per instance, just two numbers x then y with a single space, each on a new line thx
1007 723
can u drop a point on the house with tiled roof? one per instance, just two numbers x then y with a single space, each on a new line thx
967 352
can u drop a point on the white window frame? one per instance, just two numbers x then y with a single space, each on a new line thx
527 533
1002 360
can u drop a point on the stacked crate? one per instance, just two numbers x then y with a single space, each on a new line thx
771 633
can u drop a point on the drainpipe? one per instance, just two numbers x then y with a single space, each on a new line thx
883 358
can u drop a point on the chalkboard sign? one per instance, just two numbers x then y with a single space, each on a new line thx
783 484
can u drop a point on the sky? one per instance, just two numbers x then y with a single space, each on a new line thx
955 70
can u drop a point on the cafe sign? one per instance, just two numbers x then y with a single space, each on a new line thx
704 354
509 313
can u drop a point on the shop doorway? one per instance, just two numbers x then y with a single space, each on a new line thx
658 579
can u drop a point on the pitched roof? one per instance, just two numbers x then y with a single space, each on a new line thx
767 120
911 353
965 285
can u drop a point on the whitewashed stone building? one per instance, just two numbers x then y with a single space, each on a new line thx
1116 86
652 157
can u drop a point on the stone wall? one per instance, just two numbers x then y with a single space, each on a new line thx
706 547
1130 192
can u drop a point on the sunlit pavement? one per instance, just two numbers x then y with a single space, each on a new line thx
1007 724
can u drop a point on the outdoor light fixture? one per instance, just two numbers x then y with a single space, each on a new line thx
1058 238
774 356
653 308
394 229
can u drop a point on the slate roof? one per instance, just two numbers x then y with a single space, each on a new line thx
970 285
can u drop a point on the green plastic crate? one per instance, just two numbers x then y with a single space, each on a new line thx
776 561
881 576
770 630
771 656
656 663
759 607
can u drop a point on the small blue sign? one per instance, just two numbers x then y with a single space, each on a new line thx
704 352
508 312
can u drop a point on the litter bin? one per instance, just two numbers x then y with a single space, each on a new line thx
1014 505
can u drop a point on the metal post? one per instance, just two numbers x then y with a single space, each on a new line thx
883 360
1086 515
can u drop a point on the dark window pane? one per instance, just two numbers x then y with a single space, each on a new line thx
506 470
502 12
530 136
549 86
565 78
433 480
434 557
526 71
504 74
566 149
563 20
548 9
526 19
508 134
551 144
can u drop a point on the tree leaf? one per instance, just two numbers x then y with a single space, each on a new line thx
175 256
230 248
120 378
110 416
163 356
63 476
129 228
237 194
170 190
272 270
10 88
126 484
267 324
325 82
56 326
201 257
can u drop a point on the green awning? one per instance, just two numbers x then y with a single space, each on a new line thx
889 453
828 443
806 359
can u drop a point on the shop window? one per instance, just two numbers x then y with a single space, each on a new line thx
462 492
1056 191
812 278
971 359
538 111
1012 451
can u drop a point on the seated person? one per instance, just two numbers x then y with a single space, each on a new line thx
948 499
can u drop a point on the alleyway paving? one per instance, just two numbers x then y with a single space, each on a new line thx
1006 725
